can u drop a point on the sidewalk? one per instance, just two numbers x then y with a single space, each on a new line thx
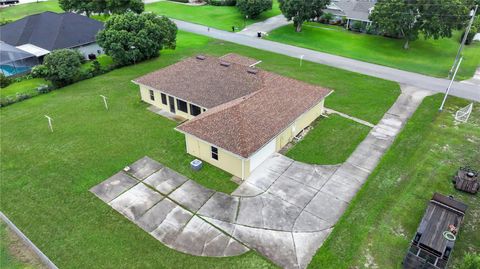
265 26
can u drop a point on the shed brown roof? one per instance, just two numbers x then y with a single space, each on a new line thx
244 125
206 83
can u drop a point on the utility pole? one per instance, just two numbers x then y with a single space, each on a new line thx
458 58
464 39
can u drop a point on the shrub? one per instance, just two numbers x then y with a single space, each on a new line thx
327 17
222 2
62 66
4 81
357 26
39 71
253 8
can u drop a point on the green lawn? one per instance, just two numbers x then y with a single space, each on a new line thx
331 141
219 17
20 11
376 229
430 57
25 86
46 176
104 60
14 254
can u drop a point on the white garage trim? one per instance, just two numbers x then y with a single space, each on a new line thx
262 154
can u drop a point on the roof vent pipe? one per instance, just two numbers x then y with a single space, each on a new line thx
226 64
252 71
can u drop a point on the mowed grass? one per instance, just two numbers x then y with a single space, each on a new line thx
377 228
330 141
14 254
46 176
25 86
429 57
19 11
219 17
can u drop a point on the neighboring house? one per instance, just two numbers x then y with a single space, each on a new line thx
239 115
15 61
352 10
42 33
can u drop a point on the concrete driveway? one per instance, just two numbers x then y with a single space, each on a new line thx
284 210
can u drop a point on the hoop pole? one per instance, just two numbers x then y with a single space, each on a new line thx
450 84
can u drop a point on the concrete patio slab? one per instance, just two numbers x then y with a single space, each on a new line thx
165 180
292 191
307 222
306 244
247 190
275 245
113 187
144 167
172 225
221 207
191 195
136 201
156 215
326 207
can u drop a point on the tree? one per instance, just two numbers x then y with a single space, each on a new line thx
302 10
253 8
408 18
438 18
122 6
396 18
83 6
62 67
129 38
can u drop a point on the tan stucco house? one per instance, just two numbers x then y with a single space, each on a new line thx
238 114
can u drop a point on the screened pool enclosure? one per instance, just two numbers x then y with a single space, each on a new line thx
15 61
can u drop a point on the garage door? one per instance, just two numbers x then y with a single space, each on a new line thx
262 155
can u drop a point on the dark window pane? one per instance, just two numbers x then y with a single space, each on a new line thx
214 153
182 106
164 99
152 96
195 110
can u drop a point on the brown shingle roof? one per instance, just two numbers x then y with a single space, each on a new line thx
246 124
238 59
204 82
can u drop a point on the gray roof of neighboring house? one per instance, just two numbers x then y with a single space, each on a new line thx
352 9
50 30
10 54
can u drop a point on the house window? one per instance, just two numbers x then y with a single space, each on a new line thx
152 97
182 105
214 153
164 98
194 110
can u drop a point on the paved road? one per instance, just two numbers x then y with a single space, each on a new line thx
464 90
